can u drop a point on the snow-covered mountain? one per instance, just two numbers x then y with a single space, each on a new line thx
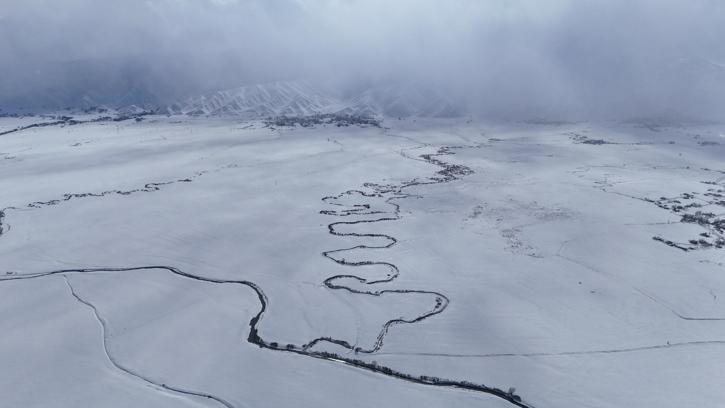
272 99
304 99
261 100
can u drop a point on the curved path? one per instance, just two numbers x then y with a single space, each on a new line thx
390 192
128 371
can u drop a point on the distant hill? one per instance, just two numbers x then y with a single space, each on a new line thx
261 100
301 98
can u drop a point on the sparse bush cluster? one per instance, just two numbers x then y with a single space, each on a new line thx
339 120
698 217
70 121
138 117
95 109
509 395
688 207
582 139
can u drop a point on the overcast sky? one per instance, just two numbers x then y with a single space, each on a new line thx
574 58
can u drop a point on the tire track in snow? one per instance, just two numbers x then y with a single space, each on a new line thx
133 373
570 353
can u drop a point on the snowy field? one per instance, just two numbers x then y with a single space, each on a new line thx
189 262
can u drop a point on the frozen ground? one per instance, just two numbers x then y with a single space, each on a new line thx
182 262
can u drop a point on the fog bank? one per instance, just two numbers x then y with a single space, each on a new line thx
561 59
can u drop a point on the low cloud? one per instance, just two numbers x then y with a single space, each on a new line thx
505 58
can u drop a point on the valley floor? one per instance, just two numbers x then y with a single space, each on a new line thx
174 262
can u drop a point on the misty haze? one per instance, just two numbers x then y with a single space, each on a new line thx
358 203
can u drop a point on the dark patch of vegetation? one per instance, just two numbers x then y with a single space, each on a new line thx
339 120
687 206
70 121
509 395
95 109
137 116
698 217
583 139
671 243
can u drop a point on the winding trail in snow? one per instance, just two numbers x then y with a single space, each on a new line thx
620 280
119 366
569 353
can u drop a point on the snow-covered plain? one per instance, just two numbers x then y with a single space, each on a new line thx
580 263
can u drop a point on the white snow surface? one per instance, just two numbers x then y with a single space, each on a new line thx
545 251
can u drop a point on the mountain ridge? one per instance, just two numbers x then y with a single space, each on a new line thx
301 98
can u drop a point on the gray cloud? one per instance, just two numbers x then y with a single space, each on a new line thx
559 58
